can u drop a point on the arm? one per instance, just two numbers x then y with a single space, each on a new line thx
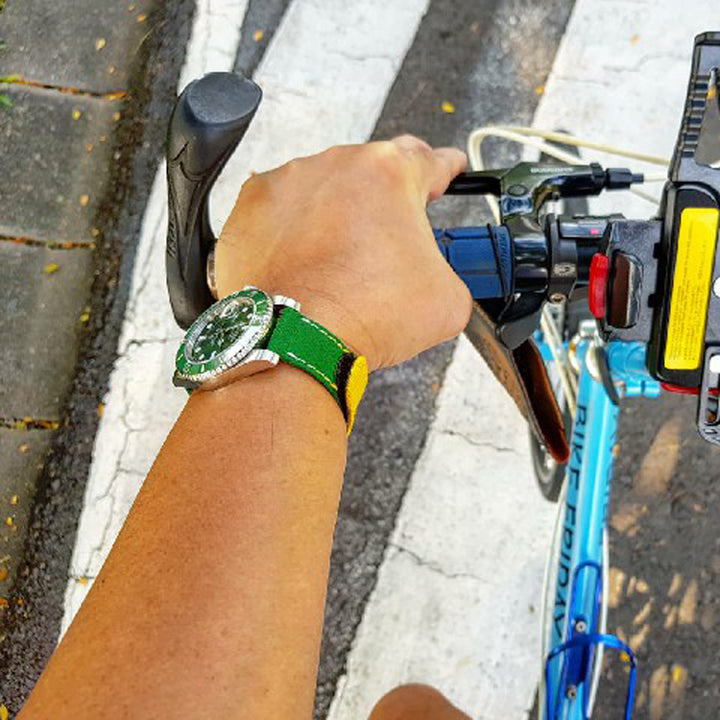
211 600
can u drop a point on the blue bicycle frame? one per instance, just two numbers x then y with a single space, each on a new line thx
575 635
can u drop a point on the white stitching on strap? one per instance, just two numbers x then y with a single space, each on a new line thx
324 332
312 367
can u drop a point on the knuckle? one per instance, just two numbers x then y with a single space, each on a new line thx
254 188
385 159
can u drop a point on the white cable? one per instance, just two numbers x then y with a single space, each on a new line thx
533 137
557 350
567 139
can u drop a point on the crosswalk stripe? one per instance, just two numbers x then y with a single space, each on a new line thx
140 407
457 597
349 56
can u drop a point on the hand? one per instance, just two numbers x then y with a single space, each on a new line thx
346 234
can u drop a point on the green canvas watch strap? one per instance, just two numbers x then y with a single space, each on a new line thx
303 343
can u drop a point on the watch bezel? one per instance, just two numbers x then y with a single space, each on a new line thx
258 328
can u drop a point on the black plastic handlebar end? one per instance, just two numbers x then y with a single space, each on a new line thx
210 118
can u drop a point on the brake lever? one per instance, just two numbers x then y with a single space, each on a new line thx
209 120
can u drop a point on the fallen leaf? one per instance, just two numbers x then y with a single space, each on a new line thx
76 114
88 147
4 715
14 500
448 107
3 603
24 448
635 39
3 573
84 200
51 268
258 35
85 317
101 409
9 521
115 117
82 580
539 89
111 69
100 43
141 17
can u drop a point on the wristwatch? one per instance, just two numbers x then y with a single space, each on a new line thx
250 330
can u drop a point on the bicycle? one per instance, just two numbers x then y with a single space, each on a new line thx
650 321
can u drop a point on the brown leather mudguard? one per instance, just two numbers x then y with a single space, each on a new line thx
523 374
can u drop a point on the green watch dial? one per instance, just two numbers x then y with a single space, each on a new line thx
224 334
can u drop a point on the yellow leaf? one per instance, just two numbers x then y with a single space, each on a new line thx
101 409
51 268
258 35
635 39
3 603
9 521
84 200
4 715
14 500
141 17
100 43
539 89
3 573
448 107
76 114
82 580
678 673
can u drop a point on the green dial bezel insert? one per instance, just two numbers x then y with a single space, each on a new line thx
252 336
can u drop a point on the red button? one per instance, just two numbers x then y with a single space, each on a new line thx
597 292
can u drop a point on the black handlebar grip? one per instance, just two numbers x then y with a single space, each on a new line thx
210 118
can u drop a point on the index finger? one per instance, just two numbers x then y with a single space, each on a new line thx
434 167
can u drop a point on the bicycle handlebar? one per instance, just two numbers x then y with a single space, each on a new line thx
493 265
652 279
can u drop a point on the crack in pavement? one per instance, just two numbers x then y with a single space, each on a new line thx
477 443
434 566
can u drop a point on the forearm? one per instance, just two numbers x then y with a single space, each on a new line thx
211 601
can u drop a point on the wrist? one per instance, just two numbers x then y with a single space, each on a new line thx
346 325
284 391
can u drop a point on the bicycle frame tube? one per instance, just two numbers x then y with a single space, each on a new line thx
578 585
579 571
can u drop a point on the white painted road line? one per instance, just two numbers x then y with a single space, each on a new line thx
456 603
452 604
141 405
325 77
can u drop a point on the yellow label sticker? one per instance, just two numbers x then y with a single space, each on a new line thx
691 288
